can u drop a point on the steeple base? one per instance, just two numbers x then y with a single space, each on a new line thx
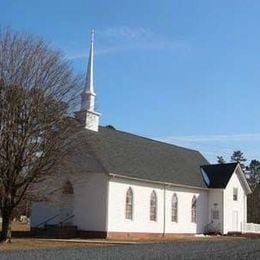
89 118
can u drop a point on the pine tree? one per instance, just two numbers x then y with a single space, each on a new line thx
221 160
238 157
254 173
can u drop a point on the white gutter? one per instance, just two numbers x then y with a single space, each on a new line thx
156 182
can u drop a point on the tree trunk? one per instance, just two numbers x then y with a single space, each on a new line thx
6 226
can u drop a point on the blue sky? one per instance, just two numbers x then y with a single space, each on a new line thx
181 71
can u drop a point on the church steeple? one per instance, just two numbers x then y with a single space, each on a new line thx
88 95
87 114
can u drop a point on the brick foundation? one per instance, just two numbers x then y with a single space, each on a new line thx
71 232
91 234
139 235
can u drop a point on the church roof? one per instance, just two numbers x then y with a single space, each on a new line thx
219 174
139 157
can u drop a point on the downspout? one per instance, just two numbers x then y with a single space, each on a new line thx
107 205
164 209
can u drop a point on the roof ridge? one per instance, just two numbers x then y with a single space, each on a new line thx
150 139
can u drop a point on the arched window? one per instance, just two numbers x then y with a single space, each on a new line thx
67 188
194 209
174 208
153 206
129 204
66 203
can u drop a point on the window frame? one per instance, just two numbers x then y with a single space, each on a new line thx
215 214
129 204
174 211
235 194
194 209
67 188
153 206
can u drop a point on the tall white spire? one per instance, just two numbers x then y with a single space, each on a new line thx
88 95
87 114
89 79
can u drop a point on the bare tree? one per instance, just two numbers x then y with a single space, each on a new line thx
37 91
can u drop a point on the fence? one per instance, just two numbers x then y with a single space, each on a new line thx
250 228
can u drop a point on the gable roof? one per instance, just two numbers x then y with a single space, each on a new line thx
138 157
219 174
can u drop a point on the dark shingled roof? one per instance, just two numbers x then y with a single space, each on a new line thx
135 156
219 174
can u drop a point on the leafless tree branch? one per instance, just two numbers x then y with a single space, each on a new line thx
37 92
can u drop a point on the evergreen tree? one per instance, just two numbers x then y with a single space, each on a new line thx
238 157
254 173
221 160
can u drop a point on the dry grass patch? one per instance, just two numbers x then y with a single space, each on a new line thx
29 244
18 226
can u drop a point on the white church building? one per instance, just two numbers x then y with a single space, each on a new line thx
119 185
